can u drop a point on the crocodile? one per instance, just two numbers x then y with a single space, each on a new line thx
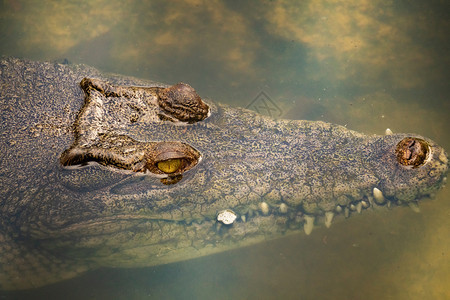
102 170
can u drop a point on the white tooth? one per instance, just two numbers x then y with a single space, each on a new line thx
359 207
346 212
338 209
283 208
415 208
365 204
378 195
244 218
444 180
443 157
309 224
226 216
264 208
388 132
352 207
328 218
389 204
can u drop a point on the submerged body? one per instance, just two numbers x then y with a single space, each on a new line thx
116 176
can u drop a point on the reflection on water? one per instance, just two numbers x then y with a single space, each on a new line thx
365 64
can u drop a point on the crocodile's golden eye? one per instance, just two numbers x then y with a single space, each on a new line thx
171 158
169 166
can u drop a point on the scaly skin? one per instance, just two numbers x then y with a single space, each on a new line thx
278 176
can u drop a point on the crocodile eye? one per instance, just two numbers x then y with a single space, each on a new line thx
172 158
412 152
169 166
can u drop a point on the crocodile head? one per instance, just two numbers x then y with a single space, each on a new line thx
149 175
176 178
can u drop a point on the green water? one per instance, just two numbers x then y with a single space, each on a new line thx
368 65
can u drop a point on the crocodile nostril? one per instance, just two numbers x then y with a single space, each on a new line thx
412 152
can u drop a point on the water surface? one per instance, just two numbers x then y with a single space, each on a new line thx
368 65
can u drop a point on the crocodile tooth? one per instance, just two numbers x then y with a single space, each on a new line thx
414 206
389 204
250 212
346 212
328 218
352 207
309 224
338 209
359 207
243 218
378 195
264 208
443 157
365 204
226 216
388 132
283 208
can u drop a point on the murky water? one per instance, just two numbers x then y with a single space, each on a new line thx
368 65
